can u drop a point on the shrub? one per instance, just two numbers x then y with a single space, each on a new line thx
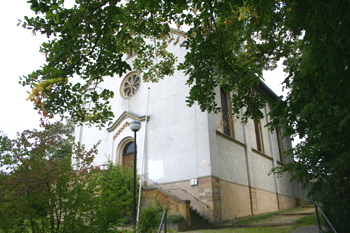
175 218
115 196
150 218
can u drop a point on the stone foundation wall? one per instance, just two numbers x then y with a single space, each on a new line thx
218 200
265 201
287 202
209 193
240 200
171 202
235 200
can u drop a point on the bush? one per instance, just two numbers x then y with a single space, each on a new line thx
175 218
150 218
115 196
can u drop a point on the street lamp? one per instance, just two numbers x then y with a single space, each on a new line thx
135 126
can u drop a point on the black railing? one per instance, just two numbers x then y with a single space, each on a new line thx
195 198
183 190
162 223
318 207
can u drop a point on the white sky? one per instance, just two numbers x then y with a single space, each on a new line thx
20 56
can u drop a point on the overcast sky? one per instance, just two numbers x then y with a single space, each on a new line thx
20 56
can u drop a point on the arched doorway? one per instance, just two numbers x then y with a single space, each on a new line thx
128 154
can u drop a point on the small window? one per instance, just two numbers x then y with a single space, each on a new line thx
130 85
259 137
226 121
128 154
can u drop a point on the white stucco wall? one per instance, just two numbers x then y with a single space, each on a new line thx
177 137
232 162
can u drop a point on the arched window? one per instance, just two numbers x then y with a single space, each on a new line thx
280 144
259 136
128 154
227 121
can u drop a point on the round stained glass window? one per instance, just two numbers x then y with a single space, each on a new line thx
130 85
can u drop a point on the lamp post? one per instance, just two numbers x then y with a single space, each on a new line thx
135 126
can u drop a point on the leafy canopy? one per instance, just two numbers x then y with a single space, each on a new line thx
229 42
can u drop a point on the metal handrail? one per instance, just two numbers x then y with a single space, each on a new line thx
185 191
162 222
168 191
317 206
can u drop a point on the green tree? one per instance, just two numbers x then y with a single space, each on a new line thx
39 188
231 43
43 191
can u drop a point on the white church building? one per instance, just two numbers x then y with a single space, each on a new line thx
219 164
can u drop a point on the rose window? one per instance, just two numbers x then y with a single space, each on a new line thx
130 85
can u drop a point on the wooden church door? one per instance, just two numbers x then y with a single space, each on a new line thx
128 154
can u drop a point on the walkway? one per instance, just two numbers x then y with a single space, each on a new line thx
287 218
307 229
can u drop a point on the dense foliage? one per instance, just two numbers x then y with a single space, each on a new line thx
175 218
230 43
42 192
116 196
150 218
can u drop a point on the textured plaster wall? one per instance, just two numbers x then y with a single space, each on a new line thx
231 160
260 168
92 135
177 136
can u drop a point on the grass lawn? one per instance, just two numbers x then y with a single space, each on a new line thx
285 229
308 220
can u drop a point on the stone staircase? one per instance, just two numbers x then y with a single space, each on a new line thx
198 222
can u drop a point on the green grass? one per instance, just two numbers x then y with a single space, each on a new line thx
253 219
307 220
249 230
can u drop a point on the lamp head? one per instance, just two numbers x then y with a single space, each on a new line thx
135 126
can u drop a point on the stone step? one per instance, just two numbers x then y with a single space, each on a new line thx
198 222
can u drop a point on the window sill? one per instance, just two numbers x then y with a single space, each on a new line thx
230 138
262 154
